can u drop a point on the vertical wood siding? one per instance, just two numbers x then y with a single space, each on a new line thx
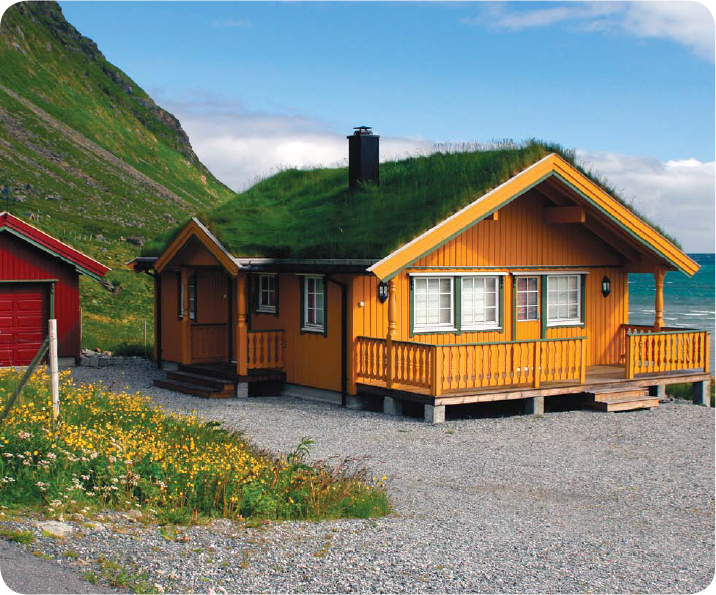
21 260
171 343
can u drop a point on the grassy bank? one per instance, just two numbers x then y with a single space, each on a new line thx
118 451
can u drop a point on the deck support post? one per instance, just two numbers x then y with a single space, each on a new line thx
702 393
392 406
185 324
658 390
241 331
242 390
659 299
534 406
434 414
392 333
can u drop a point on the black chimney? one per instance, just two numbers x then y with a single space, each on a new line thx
362 156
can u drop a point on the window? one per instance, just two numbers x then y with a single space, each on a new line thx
314 308
267 294
527 298
433 304
192 297
563 299
191 291
480 303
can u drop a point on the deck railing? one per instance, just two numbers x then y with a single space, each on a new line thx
649 352
266 349
459 366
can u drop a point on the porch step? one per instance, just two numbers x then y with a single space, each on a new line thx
621 400
195 389
222 384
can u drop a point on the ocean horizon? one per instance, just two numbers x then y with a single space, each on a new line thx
688 303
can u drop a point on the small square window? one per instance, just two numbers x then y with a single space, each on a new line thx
267 294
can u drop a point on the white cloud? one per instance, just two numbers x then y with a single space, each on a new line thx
240 146
683 21
678 195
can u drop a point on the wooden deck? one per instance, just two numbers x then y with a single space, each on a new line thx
598 378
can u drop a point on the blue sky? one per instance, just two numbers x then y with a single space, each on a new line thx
257 86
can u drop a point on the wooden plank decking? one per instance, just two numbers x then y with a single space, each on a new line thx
598 378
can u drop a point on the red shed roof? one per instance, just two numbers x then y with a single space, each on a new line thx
83 263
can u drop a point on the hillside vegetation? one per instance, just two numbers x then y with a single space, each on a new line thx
85 152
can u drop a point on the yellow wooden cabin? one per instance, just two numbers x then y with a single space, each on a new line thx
518 291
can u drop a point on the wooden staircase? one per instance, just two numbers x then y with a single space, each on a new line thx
620 399
191 382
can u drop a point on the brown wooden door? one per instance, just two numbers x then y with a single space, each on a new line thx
210 328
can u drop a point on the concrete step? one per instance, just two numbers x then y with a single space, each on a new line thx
194 389
202 380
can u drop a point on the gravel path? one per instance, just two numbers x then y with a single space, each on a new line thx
570 502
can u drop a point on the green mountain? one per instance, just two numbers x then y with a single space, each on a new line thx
81 142
86 155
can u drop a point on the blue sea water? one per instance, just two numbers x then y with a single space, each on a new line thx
688 303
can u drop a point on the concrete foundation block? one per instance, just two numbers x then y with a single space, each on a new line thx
242 390
534 406
94 362
354 402
170 366
702 393
658 391
392 406
434 414
84 361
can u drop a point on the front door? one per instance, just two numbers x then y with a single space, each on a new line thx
209 325
527 308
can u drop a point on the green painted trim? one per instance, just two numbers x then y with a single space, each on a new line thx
411 314
514 307
529 267
324 281
580 325
449 332
583 299
502 303
79 268
29 280
469 225
457 282
52 300
635 235
543 306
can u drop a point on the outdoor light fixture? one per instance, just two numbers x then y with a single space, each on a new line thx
382 292
606 286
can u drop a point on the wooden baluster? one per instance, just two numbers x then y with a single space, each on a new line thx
629 357
537 364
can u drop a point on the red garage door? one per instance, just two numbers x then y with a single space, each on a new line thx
23 314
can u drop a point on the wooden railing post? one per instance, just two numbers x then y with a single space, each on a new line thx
629 363
437 372
392 333
659 299
707 352
185 324
583 369
242 344
537 364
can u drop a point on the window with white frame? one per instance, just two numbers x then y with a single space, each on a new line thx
267 294
433 304
314 308
527 298
479 308
563 299
191 290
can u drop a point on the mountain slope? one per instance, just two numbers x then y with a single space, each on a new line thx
90 158
81 142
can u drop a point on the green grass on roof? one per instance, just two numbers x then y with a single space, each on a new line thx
313 214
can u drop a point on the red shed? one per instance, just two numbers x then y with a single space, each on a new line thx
39 279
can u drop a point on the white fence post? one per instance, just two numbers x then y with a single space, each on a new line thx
54 373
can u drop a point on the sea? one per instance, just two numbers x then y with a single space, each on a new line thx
688 303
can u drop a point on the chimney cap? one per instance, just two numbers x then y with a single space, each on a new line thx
359 130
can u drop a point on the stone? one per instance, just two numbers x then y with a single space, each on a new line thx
94 362
84 361
392 406
133 515
136 240
434 414
534 406
56 529
242 390
702 393
97 526
103 361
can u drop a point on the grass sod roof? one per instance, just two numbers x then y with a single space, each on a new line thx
311 213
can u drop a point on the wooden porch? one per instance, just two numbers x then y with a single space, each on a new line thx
454 374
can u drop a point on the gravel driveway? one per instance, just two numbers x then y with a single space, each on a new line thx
570 502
